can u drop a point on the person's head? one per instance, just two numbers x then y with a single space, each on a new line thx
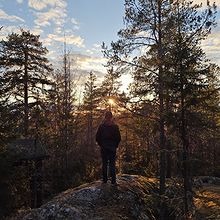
108 116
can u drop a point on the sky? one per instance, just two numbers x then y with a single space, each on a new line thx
85 24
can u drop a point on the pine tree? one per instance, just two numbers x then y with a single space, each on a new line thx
150 29
145 29
189 72
25 71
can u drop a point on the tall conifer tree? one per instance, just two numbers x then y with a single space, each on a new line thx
145 46
25 71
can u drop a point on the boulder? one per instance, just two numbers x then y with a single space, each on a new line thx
129 199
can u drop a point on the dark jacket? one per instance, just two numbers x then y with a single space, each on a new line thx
108 136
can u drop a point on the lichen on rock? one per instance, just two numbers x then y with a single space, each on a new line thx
97 201
133 198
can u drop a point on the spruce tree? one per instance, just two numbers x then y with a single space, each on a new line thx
110 90
190 73
91 99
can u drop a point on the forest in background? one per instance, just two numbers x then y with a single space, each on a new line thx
169 119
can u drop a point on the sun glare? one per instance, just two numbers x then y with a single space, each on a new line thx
111 101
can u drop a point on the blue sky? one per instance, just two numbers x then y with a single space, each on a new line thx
86 24
93 21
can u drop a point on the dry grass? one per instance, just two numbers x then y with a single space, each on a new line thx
207 201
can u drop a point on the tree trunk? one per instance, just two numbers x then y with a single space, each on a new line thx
26 110
185 144
169 161
161 117
36 184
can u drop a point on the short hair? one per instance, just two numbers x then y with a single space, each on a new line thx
108 114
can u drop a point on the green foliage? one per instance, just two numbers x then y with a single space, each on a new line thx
20 53
91 96
25 72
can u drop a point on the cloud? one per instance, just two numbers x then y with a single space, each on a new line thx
89 63
47 42
89 51
54 15
81 65
11 18
204 2
37 5
37 31
20 1
75 27
41 4
74 21
52 55
211 46
75 24
71 39
98 46
96 49
8 29
58 30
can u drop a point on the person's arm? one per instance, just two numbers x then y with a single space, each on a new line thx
118 135
98 136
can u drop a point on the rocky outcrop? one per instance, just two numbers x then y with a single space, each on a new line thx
203 180
130 199
134 198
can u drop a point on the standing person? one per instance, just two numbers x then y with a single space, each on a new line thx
108 137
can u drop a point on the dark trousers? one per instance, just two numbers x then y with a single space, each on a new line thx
108 159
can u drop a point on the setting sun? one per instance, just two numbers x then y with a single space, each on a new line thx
111 101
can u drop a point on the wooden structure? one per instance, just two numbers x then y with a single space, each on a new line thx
31 152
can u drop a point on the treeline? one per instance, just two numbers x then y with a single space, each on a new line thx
169 119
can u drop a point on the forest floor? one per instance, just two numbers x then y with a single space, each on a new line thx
207 201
